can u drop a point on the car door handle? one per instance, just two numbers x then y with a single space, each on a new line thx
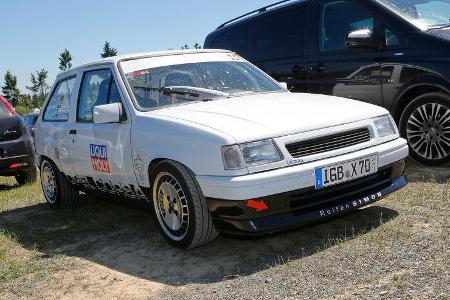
319 68
297 69
72 131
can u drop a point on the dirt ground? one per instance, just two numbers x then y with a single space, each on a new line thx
396 248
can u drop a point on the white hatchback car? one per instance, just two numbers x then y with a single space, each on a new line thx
213 143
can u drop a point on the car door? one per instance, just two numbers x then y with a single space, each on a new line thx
101 153
53 140
279 43
334 69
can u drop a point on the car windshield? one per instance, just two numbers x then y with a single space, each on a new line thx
155 85
423 13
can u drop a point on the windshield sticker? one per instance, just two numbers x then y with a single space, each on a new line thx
99 158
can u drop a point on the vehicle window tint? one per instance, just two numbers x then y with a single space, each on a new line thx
234 39
339 18
59 103
94 91
390 38
279 35
114 95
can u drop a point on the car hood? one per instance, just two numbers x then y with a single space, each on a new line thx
259 116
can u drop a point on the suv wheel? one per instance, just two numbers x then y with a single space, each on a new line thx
29 176
58 191
425 123
179 207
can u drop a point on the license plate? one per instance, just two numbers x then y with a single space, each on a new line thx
346 171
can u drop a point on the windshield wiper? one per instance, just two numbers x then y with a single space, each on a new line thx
176 88
439 26
184 90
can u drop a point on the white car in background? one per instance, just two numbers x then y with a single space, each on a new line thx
213 143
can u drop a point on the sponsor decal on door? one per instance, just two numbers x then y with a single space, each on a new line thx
99 158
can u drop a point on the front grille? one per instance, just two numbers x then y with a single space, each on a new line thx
329 142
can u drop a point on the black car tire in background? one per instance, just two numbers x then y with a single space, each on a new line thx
425 123
25 177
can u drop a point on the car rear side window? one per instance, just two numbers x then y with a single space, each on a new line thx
279 35
98 88
338 19
234 39
59 103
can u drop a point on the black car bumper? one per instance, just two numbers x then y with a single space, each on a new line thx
13 165
304 206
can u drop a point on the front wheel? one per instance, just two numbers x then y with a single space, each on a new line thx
425 123
179 207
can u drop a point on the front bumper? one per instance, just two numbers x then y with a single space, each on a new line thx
306 205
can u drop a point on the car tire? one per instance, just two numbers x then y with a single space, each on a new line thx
58 191
25 177
425 124
179 207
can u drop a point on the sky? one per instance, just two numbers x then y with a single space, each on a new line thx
34 33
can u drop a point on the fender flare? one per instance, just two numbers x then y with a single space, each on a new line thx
419 85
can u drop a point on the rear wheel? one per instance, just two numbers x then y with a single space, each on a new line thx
425 123
25 177
58 191
180 208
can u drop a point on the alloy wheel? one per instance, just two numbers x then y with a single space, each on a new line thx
428 131
171 206
48 180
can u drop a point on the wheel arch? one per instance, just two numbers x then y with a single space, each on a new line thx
415 90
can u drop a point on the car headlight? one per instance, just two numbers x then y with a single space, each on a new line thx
385 126
250 154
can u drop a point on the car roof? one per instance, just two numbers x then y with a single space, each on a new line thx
118 58
258 12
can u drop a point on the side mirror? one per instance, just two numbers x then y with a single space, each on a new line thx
108 113
362 39
284 85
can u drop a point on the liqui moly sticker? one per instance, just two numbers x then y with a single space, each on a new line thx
99 158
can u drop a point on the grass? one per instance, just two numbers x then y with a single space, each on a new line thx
33 237
37 242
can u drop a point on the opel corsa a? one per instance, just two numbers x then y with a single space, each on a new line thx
213 143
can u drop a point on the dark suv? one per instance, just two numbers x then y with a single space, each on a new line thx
16 151
393 53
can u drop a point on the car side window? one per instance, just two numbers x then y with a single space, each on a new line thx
338 19
58 106
279 35
391 39
235 39
98 88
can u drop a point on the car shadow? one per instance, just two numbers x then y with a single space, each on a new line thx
420 173
125 238
7 187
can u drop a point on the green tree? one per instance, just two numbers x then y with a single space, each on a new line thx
186 47
108 51
65 60
39 86
10 90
